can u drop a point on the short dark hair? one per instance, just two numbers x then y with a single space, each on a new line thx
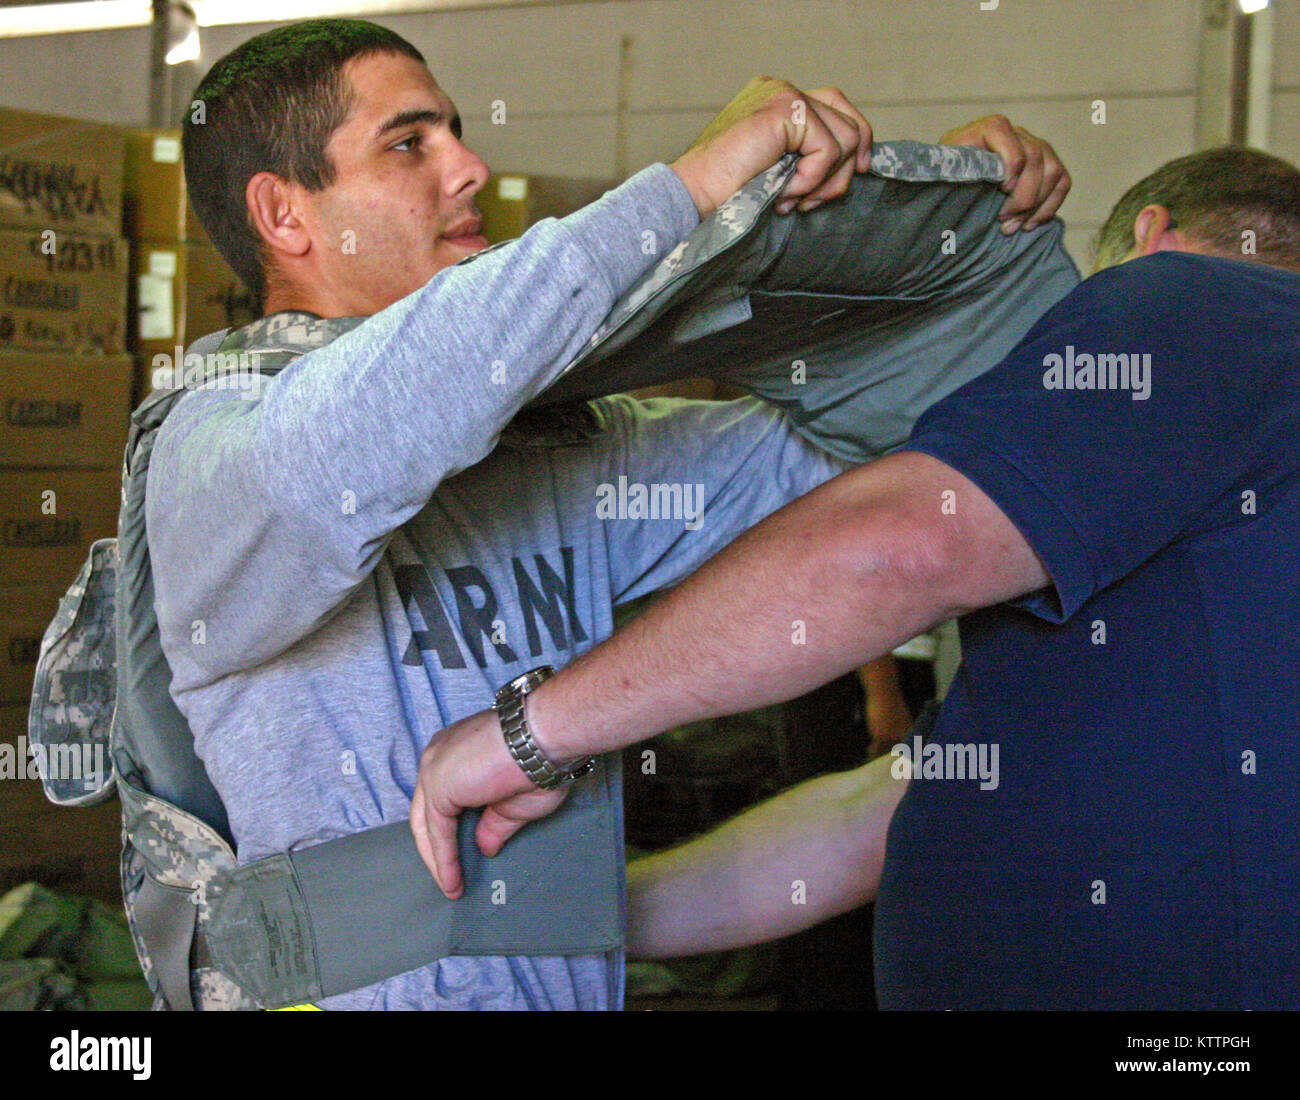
271 105
1216 196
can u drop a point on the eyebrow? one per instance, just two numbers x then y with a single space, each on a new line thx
417 115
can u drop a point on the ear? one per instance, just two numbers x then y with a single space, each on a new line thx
1154 230
272 204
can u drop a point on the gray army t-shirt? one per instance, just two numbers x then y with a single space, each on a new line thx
340 573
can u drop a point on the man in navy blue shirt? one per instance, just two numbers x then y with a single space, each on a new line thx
1107 811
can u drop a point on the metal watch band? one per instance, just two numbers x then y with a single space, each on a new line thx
519 739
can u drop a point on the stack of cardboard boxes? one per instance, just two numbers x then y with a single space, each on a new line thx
102 268
65 390
181 288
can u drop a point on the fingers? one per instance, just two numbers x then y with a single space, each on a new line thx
768 119
435 840
1041 189
446 854
494 830
846 132
999 136
821 152
837 100
1026 190
436 831
996 134
835 138
1056 183
501 821
1034 178
420 831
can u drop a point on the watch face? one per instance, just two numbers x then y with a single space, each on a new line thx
585 768
525 682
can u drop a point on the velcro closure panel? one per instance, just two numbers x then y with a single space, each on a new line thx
555 889
357 910
259 932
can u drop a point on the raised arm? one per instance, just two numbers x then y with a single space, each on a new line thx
288 501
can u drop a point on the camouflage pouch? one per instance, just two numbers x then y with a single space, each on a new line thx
170 863
74 693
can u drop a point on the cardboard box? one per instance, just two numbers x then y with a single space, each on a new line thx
25 612
156 204
511 203
180 292
60 173
75 849
49 518
215 298
156 298
63 410
62 292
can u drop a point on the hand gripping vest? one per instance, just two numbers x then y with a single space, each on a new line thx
853 318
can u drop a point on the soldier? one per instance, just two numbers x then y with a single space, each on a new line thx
341 569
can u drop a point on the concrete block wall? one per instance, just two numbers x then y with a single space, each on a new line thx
917 67
1285 140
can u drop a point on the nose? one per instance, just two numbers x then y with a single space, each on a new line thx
466 172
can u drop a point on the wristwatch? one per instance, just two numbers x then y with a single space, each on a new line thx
509 706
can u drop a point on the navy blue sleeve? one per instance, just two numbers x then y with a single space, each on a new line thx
1157 401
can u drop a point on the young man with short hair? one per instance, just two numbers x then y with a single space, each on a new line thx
341 568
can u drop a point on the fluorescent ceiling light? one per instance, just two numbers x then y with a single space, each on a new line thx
1250 7
101 15
187 49
214 13
82 15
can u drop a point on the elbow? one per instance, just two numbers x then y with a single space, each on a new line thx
918 535
905 564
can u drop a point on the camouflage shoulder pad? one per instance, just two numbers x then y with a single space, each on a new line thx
74 693
743 213
725 227
921 162
289 330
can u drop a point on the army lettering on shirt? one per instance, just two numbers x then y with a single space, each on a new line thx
546 598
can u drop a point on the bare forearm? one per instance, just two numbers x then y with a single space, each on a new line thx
815 590
849 571
798 859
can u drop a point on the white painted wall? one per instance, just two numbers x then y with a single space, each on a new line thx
916 67
102 76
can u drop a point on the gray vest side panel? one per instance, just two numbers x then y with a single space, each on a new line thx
152 739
